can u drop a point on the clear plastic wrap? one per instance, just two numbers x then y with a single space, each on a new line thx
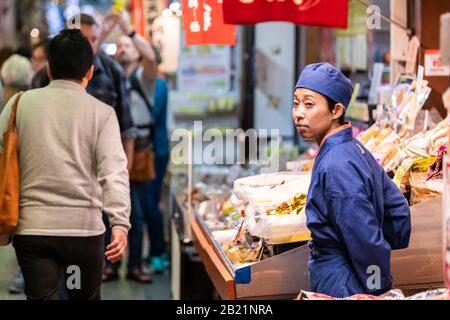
267 191
396 294
437 294
275 226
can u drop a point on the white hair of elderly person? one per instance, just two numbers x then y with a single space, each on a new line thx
16 73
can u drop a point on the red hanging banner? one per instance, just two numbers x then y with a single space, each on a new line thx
326 13
203 23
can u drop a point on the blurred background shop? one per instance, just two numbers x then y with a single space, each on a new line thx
242 76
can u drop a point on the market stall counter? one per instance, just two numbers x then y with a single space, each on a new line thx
420 265
417 268
252 251
278 277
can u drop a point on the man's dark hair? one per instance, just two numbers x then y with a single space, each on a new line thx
24 51
70 55
42 44
83 18
331 104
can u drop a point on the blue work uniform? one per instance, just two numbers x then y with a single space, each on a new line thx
356 216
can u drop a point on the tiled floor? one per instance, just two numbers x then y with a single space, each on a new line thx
117 290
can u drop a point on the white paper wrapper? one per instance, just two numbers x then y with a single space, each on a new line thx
267 191
224 236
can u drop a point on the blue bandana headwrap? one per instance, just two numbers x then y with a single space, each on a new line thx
327 80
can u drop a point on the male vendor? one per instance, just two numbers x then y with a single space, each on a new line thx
355 213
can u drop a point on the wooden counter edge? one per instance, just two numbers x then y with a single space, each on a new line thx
217 271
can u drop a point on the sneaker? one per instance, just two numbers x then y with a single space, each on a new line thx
18 284
158 265
139 276
166 258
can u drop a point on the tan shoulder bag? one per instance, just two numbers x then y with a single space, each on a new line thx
9 179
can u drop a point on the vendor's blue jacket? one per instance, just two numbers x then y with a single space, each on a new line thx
356 216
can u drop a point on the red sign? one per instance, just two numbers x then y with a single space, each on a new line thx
327 13
203 23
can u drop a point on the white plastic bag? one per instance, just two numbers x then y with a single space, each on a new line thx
275 226
267 191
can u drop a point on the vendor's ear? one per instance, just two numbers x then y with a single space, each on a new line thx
338 111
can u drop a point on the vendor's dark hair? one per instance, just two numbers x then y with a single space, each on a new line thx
331 104
70 55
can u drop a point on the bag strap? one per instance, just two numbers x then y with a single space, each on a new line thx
12 118
135 85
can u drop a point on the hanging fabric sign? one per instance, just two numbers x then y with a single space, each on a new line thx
327 13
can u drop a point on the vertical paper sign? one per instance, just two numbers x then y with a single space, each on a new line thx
203 23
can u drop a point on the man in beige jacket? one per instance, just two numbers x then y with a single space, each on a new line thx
72 166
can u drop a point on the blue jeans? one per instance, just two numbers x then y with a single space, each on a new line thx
144 210
151 194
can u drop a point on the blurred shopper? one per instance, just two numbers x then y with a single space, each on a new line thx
24 51
154 92
70 169
15 73
138 60
39 54
5 53
157 255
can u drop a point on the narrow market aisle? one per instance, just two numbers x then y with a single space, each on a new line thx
124 289
117 290
8 267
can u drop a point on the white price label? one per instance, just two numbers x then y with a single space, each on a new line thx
433 64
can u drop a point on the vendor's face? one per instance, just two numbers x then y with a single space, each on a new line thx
311 115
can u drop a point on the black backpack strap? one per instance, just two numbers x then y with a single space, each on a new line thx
135 85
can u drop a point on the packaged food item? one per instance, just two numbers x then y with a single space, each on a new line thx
435 170
422 165
421 190
297 203
243 253
437 294
224 236
276 226
227 208
401 177
395 294
265 192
